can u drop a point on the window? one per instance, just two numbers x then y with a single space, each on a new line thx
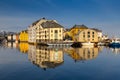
56 31
51 31
92 32
88 36
83 32
83 36
59 30
45 32
93 36
88 32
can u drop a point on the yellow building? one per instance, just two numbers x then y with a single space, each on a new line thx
23 47
88 35
74 30
23 37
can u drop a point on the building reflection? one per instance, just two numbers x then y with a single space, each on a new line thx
45 57
83 53
23 47
115 50
12 45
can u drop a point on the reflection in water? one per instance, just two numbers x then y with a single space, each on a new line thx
12 45
45 57
115 50
23 47
49 57
83 53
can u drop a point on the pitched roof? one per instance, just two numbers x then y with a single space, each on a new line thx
80 26
85 30
34 23
51 24
96 29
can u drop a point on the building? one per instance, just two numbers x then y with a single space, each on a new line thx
45 30
74 30
99 33
33 30
87 35
13 38
23 37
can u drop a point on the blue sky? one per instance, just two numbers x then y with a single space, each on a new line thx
16 15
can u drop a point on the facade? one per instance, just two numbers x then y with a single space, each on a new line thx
45 31
88 35
75 29
23 37
13 38
99 33
9 37
33 30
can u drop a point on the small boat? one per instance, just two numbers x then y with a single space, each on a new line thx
115 43
87 44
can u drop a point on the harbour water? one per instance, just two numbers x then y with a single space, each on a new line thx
28 62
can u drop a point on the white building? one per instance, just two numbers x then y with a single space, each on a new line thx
45 30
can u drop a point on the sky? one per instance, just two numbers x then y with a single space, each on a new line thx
17 15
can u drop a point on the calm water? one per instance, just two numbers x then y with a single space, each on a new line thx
28 62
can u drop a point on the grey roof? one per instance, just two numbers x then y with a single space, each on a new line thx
51 64
96 29
80 26
51 24
34 23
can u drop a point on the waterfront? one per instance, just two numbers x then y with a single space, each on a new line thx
24 61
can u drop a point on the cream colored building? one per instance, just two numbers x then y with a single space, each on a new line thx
88 35
99 33
45 30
